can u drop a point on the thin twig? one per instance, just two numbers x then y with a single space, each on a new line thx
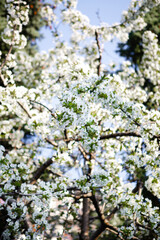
139 125
25 110
100 53
21 194
44 107
136 123
84 153
51 142
6 58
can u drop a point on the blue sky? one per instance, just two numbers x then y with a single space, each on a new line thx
108 10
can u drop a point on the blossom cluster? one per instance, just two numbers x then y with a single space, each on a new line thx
17 16
102 136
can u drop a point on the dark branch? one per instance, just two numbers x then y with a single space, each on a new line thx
24 109
102 137
154 199
148 194
41 170
51 142
123 134
105 225
85 219
109 217
100 54
6 58
53 115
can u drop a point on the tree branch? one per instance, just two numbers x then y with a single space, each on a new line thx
85 219
41 170
24 109
51 142
84 153
103 137
100 53
109 217
154 199
6 58
104 223
121 134
53 115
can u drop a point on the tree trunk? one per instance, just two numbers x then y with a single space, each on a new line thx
85 219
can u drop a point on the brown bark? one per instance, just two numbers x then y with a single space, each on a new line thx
85 219
105 225
41 170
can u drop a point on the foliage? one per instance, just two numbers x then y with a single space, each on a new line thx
31 30
132 50
102 178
